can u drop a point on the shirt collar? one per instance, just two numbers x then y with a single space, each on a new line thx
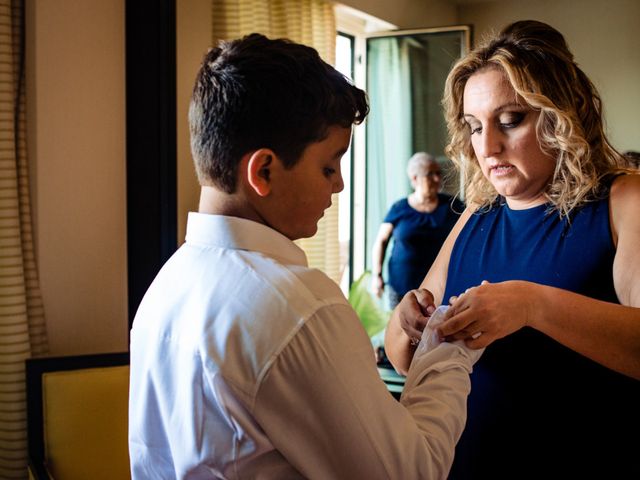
242 234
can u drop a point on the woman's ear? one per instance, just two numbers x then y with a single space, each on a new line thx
259 169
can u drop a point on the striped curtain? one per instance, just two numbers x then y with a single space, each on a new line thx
22 326
310 22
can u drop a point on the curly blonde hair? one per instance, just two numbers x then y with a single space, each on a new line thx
537 63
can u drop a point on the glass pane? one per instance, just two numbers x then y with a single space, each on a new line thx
406 72
344 64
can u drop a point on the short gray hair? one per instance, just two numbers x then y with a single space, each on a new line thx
419 162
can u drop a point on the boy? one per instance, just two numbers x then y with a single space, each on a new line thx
245 363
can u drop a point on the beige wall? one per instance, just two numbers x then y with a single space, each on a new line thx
193 32
604 38
76 122
603 35
409 13
76 144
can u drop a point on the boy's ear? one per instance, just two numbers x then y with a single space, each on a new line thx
259 171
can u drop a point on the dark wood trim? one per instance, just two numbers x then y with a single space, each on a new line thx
150 33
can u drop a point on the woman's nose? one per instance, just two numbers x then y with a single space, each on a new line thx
488 142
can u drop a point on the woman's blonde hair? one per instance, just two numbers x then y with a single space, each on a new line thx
537 62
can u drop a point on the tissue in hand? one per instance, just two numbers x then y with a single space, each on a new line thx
430 339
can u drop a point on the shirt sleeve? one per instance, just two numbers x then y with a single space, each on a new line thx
394 213
325 408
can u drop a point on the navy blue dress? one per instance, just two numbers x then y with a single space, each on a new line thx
417 238
537 409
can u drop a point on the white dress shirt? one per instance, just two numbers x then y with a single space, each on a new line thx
247 364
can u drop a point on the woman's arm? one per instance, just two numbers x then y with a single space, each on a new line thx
609 333
379 250
413 311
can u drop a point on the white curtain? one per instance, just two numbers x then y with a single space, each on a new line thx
22 326
310 22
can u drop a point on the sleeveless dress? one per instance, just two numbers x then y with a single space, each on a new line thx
537 409
417 238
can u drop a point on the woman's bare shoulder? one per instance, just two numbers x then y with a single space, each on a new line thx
625 189
624 202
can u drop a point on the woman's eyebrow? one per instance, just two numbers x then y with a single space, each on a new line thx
500 109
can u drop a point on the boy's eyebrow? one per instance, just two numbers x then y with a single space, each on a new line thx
340 153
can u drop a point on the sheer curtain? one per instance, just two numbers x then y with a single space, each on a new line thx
311 22
22 326
389 131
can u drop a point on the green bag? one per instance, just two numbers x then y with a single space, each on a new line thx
372 314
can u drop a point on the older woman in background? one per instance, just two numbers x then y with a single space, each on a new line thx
419 225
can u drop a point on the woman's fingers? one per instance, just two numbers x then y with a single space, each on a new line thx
460 327
425 300
414 310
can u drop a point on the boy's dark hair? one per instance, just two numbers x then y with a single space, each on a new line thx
259 93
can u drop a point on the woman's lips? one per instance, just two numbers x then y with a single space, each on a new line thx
501 170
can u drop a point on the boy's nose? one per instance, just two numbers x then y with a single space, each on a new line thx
338 185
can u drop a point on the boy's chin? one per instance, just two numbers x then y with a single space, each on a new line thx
302 234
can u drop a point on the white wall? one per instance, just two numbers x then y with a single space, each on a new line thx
76 142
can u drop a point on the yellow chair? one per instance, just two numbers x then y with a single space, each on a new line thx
77 417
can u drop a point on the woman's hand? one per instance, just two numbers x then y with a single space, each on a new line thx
377 285
413 313
488 312
405 327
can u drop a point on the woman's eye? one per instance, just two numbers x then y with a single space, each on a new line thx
328 171
511 120
475 129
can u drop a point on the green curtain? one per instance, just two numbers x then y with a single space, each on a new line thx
389 131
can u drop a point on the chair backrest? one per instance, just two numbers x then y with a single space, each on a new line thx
77 416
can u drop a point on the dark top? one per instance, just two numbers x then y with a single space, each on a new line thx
537 409
417 238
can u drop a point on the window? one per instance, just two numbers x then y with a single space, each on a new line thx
353 26
344 64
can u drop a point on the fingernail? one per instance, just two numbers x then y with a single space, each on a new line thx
431 309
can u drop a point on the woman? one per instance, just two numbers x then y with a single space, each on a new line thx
419 225
546 257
